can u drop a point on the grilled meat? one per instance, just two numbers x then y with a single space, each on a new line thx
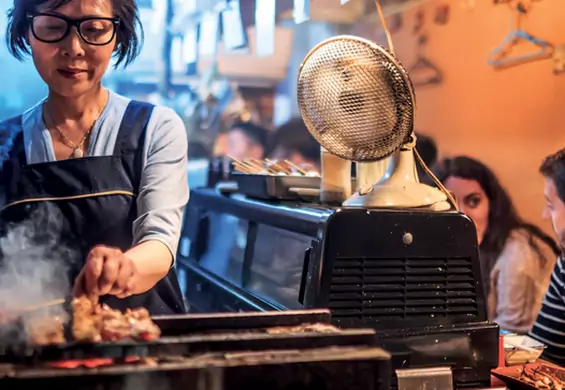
305 328
95 323
45 330
543 377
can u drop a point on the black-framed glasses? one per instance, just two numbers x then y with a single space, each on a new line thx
51 28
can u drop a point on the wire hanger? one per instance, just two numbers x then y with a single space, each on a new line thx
422 64
500 58
558 59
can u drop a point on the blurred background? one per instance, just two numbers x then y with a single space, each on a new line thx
219 63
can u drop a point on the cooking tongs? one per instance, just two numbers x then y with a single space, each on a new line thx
431 74
500 58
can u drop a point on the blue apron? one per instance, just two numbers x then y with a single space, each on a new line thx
94 197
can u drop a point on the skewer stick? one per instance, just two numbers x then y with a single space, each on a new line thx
261 165
242 165
278 166
233 158
298 169
242 169
44 305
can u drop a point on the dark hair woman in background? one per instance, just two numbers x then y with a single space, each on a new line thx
114 170
517 258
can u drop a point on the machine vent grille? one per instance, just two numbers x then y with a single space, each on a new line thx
376 290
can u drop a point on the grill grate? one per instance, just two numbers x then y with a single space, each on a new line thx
374 290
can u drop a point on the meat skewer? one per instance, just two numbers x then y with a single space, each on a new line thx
298 169
91 323
95 323
273 167
44 305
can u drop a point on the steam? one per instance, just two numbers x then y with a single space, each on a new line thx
35 266
8 131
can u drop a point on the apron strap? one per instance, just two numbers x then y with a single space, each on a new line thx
131 138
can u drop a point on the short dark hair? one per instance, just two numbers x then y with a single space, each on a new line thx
553 167
129 36
293 136
255 133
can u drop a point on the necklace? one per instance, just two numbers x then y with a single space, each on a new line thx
77 148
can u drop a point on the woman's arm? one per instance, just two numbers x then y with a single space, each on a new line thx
153 260
161 200
515 286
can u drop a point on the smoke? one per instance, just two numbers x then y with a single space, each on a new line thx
8 131
35 265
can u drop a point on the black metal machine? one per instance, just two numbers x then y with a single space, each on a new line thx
413 276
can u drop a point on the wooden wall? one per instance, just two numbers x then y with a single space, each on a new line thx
509 119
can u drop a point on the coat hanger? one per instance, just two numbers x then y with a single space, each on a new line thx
422 64
559 59
500 58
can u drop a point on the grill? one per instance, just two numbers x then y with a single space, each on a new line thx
374 290
211 351
333 368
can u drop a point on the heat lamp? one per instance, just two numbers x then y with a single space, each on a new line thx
358 102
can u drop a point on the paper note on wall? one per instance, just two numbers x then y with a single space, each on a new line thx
209 31
233 35
301 11
265 28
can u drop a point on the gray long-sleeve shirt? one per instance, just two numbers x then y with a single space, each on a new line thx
164 188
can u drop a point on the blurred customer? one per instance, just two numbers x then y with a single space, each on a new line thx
221 145
292 141
247 140
427 149
550 323
516 257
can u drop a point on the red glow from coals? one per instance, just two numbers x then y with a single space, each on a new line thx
92 363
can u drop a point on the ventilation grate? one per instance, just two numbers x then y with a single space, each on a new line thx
375 290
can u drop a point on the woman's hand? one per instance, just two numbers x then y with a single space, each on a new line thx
107 271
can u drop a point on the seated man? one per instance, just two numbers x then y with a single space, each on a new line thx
247 140
549 327
292 141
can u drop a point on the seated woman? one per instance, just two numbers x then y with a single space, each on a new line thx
517 258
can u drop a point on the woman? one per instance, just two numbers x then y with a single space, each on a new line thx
114 170
517 258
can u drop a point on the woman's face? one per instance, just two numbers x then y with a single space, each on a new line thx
72 67
472 201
